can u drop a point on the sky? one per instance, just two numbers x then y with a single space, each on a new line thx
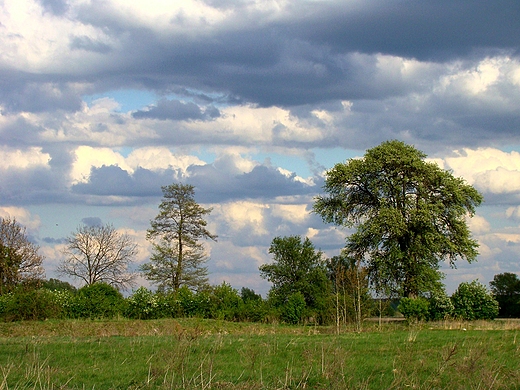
102 102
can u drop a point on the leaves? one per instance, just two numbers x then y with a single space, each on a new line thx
409 215
178 257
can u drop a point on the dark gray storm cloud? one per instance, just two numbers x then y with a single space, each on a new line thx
434 30
308 56
311 55
92 221
177 110
30 186
212 185
88 44
21 91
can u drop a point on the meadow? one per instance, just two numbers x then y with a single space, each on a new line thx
212 354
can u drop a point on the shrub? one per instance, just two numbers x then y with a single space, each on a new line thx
29 304
292 311
253 307
414 309
194 304
98 300
227 302
144 304
4 302
472 301
67 302
440 306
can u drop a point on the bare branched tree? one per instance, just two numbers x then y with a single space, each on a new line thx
99 254
19 258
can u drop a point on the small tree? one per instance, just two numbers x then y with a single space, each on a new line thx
19 258
99 254
297 268
472 301
178 256
350 287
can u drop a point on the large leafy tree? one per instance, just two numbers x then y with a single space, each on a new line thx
19 258
297 268
408 213
97 254
178 255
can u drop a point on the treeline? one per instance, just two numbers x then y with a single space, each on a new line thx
60 300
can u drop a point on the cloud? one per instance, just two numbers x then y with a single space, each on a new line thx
22 216
177 110
212 184
230 87
492 171
91 221
87 44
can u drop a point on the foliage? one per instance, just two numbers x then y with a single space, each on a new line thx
144 304
297 267
414 309
253 307
440 306
409 215
227 302
99 300
28 304
19 258
178 256
472 301
506 289
292 311
58 285
68 302
99 254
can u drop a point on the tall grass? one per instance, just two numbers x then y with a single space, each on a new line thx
196 354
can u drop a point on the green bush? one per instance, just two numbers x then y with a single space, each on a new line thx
292 311
472 301
4 303
253 307
414 309
194 304
440 306
66 300
144 304
99 300
29 304
226 302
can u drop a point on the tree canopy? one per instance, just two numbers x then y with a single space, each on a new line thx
19 258
178 255
409 215
297 269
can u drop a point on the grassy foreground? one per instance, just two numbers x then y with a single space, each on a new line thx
205 354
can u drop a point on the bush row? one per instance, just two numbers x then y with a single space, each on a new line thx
104 301
471 301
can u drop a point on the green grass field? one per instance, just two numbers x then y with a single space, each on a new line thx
204 354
